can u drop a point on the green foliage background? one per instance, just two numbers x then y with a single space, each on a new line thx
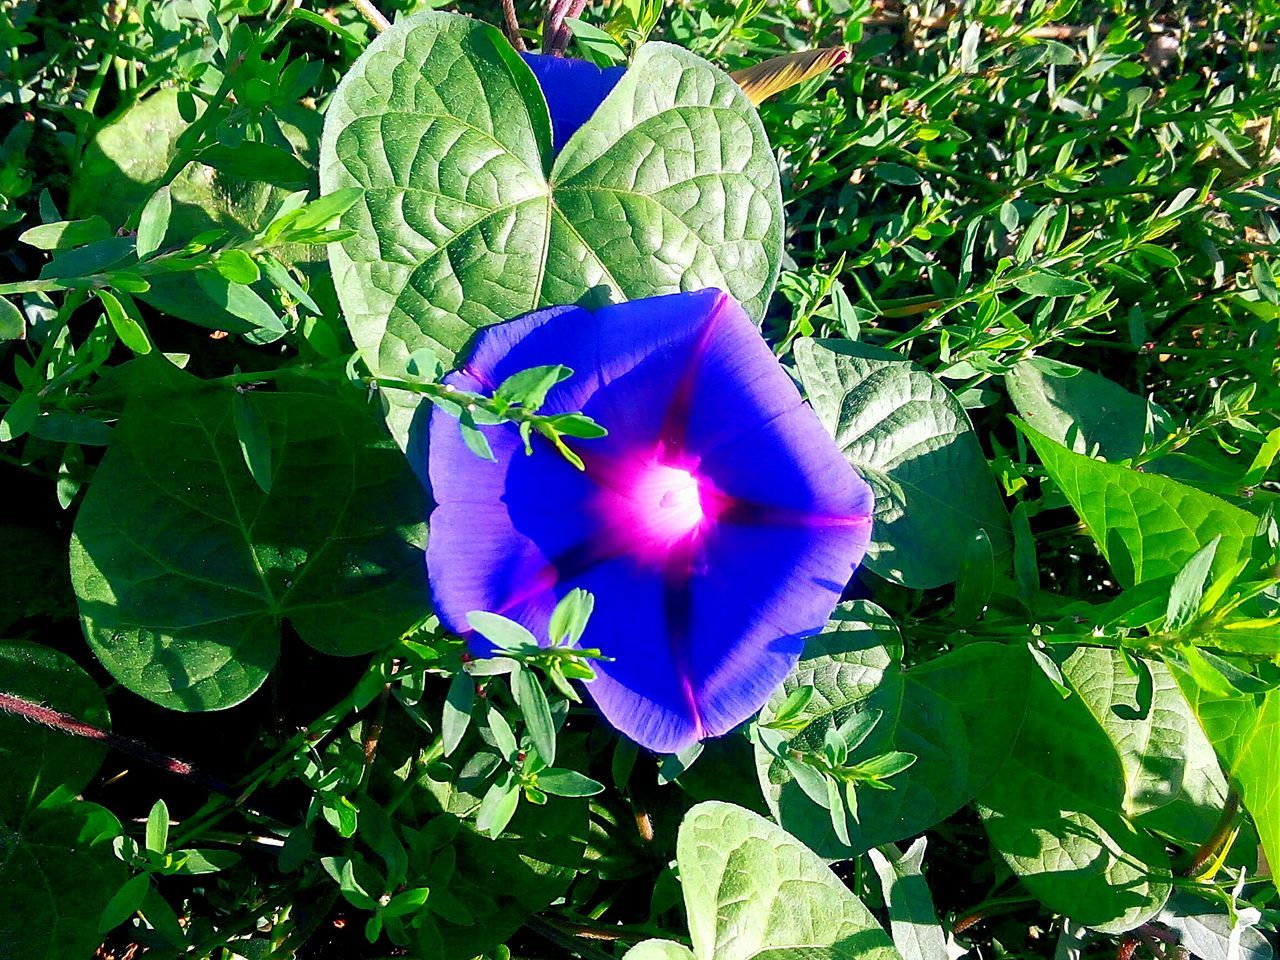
1024 264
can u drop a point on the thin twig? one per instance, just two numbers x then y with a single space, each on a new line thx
374 731
511 25
65 723
371 13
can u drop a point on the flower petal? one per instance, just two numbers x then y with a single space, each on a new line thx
762 590
643 692
502 529
574 90
704 592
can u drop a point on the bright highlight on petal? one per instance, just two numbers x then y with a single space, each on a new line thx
716 525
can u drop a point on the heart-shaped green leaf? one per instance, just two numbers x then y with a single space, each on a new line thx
1054 812
58 873
1172 779
467 219
912 441
184 567
753 891
1146 526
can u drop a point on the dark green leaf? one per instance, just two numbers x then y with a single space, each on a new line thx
1046 283
1146 525
256 161
35 760
1054 812
568 783
65 234
13 325
58 873
184 568
128 329
254 438
1188 587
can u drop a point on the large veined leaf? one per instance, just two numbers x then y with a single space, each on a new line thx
184 567
1147 526
753 892
912 441
1245 732
467 219
659 950
1054 812
958 714
1173 783
1090 414
1079 409
58 872
35 760
1211 934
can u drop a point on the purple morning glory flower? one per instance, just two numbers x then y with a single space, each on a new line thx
574 90
716 524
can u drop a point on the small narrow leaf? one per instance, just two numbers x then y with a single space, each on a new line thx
13 325
65 234
158 827
457 710
568 783
503 736
500 631
1188 586
536 712
240 301
127 328
1046 283
498 807
570 616
153 224
255 440
125 903
835 805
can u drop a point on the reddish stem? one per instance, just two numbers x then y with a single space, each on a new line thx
1221 834
511 24
65 723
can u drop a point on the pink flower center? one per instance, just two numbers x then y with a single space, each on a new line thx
652 507
668 501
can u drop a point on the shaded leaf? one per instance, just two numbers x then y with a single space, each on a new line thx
184 567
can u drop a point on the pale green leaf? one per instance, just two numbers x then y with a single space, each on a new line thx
912 441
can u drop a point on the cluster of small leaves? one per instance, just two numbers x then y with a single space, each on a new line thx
518 399
828 776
